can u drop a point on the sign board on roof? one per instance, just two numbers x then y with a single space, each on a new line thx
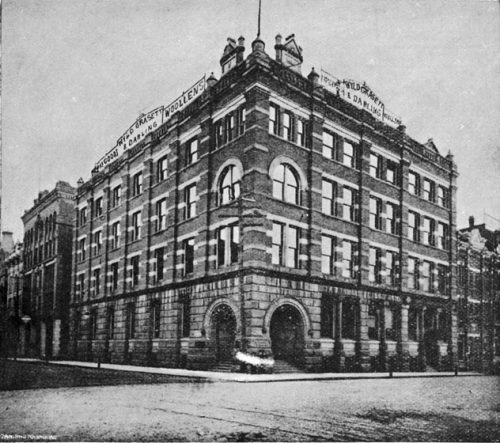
148 123
360 95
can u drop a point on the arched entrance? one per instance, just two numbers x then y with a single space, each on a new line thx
287 334
223 332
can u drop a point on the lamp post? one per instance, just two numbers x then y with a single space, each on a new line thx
25 319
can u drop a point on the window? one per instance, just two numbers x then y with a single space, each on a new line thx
96 281
241 117
156 319
349 155
328 254
111 323
81 249
413 282
115 236
277 244
429 190
98 207
135 232
349 259
93 325
286 184
426 278
390 268
229 186
161 215
188 248
186 317
326 319
116 196
350 319
219 133
392 219
442 279
189 201
373 321
230 127
442 236
130 321
274 117
375 165
375 265
134 270
442 197
285 245
413 183
391 174
287 126
83 217
329 197
161 169
159 262
413 226
191 151
97 243
350 199
330 145
113 276
80 284
301 132
375 213
137 184
427 232
227 245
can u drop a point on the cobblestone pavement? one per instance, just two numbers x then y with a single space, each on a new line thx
446 409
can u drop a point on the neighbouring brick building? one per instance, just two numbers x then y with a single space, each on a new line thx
479 297
271 216
48 226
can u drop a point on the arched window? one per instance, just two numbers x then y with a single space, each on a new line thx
286 184
229 184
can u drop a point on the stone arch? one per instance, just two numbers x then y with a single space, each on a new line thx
230 161
211 309
284 159
286 301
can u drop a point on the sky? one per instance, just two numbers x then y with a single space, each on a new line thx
77 73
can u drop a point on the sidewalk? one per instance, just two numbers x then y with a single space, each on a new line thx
252 378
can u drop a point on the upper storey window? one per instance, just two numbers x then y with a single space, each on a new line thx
137 184
330 145
413 183
98 207
286 184
375 165
287 125
443 197
191 151
83 216
229 185
161 169
230 126
429 190
274 119
349 158
391 174
116 196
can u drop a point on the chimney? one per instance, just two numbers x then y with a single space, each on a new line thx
471 221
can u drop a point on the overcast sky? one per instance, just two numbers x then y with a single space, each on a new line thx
77 73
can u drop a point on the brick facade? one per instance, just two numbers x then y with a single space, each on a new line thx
284 215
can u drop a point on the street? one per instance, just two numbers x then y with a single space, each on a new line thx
421 409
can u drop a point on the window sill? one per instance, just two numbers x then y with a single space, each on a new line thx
279 137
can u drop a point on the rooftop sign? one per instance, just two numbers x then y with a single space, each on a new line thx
359 95
147 123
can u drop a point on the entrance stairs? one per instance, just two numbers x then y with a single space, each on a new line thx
283 367
226 366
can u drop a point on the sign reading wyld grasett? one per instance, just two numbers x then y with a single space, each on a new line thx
149 122
360 95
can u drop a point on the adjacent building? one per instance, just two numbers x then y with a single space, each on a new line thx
274 217
479 297
48 226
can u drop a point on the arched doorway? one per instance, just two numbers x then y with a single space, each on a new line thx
223 332
287 334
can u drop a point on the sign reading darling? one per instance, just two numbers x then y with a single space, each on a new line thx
149 122
360 95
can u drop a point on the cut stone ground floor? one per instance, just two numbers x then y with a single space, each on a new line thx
315 327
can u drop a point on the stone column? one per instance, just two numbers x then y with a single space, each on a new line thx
403 355
338 350
362 346
422 361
